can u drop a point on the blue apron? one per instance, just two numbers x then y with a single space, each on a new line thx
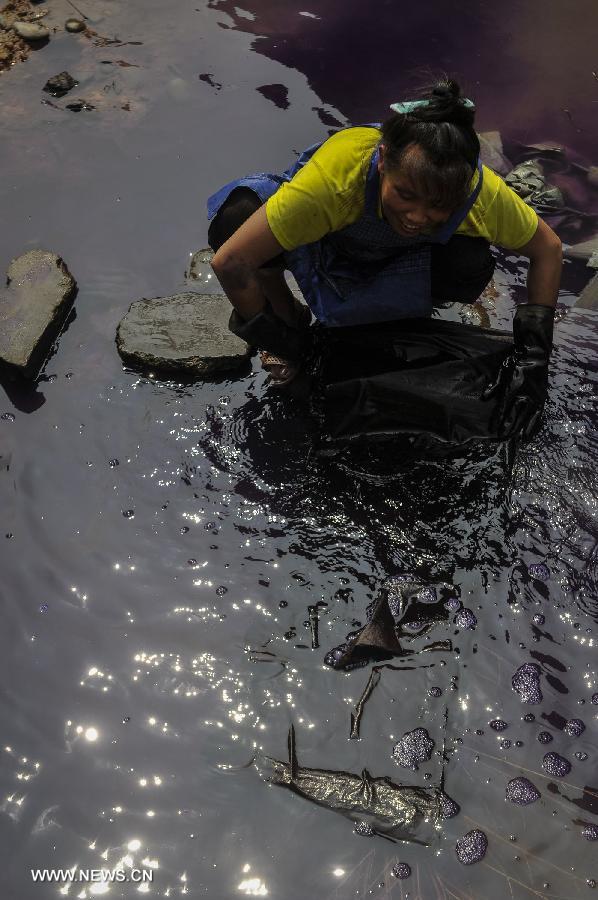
366 272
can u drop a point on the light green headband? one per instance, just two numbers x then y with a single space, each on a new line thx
408 106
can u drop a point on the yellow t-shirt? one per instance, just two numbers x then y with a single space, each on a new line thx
328 193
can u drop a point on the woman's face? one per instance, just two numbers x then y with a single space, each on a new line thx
404 208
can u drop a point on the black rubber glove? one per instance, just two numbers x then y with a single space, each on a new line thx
523 382
267 332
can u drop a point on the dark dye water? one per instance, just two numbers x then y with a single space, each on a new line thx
161 543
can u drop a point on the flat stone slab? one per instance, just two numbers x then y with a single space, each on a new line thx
185 334
588 299
33 306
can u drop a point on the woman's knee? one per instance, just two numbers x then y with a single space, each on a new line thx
240 204
461 269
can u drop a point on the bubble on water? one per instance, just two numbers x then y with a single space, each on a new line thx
283 604
413 626
594 698
414 747
538 619
522 791
556 765
113 463
449 808
519 743
581 756
126 719
192 562
435 692
7 417
545 737
221 590
465 620
452 604
498 724
539 570
526 682
43 608
591 883
364 829
184 529
590 832
401 870
505 744
128 513
529 717
471 848
574 727
479 731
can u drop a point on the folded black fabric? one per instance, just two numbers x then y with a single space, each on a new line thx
412 377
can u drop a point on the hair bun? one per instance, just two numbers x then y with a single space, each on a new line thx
447 90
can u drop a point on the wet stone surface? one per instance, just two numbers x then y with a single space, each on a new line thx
556 765
471 848
414 747
526 682
522 791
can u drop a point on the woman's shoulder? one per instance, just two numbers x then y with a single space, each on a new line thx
349 145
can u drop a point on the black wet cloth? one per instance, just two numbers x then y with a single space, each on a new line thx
402 611
418 377
268 332
522 383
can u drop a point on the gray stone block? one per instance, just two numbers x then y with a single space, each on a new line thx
33 307
186 334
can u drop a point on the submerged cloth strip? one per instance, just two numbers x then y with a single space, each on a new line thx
407 106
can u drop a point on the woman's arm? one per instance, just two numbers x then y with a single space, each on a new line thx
546 260
237 264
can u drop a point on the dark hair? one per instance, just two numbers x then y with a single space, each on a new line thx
444 130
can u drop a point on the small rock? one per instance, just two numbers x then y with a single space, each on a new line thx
33 306
74 25
186 333
31 31
60 84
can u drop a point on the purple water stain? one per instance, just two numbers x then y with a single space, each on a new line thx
471 848
522 791
538 619
452 604
529 717
498 724
435 692
526 682
590 832
364 829
465 620
545 737
414 747
574 727
449 808
556 765
539 570
401 870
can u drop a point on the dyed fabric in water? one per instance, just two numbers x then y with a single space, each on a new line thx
376 805
421 377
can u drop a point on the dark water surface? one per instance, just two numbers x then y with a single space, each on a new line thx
161 543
